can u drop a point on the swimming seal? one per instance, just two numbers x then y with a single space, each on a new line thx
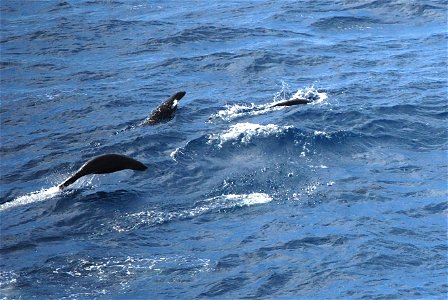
104 164
292 102
164 111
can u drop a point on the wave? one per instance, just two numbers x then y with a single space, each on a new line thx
113 274
237 134
244 133
399 9
212 33
149 218
270 137
346 23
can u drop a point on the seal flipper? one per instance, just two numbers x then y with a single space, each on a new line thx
69 181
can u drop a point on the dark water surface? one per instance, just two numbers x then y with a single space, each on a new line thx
344 198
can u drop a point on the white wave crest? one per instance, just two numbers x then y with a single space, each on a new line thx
245 132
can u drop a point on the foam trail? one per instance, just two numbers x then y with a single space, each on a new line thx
33 197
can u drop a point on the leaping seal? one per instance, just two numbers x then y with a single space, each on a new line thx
104 164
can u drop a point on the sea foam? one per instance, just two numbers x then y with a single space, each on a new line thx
37 196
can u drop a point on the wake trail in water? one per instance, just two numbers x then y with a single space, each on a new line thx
38 196
45 194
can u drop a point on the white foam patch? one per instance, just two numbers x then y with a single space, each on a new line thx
245 199
310 94
235 111
8 281
245 133
175 153
150 218
33 197
322 133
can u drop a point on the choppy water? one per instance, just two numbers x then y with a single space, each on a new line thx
344 198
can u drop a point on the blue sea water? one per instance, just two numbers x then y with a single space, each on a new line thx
345 198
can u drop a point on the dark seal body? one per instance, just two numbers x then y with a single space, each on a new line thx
292 102
104 164
164 111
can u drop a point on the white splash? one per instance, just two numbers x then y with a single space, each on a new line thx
38 196
310 94
235 111
245 132
174 154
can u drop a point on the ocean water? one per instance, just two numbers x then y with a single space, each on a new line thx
345 198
